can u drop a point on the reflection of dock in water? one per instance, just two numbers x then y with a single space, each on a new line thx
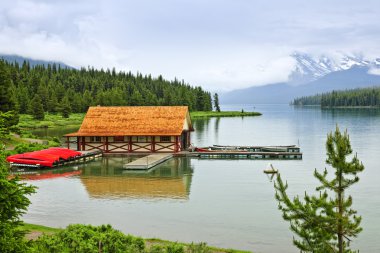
171 179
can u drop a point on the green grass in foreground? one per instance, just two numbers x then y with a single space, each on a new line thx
150 242
155 241
40 228
51 120
200 114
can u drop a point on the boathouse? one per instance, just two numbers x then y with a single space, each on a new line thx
126 129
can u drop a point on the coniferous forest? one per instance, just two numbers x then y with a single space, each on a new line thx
39 89
347 98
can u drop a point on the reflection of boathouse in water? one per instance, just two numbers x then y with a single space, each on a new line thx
171 179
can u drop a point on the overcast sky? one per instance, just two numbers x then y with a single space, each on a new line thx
219 45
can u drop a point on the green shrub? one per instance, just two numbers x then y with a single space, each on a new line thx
13 204
87 238
29 147
198 248
157 249
175 248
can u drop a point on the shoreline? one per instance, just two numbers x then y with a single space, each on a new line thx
35 231
51 121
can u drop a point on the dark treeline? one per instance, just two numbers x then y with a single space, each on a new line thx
53 89
355 97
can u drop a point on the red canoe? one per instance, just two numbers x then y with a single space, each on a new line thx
44 158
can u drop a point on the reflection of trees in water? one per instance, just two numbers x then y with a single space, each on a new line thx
216 129
201 127
350 112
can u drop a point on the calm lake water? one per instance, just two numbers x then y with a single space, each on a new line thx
227 203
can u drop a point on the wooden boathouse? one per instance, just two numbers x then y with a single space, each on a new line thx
133 129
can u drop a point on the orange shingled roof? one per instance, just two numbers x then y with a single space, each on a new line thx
134 121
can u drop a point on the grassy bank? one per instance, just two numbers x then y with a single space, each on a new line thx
51 120
40 228
75 119
208 114
151 245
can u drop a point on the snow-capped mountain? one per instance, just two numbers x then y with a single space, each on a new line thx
309 68
312 75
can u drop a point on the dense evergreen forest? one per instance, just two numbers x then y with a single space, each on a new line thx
355 97
38 89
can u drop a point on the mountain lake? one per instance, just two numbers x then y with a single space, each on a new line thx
226 203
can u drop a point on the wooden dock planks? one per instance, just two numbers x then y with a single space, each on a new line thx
147 162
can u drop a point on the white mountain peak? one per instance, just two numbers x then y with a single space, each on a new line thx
309 68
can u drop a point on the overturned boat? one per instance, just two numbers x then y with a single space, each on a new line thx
43 158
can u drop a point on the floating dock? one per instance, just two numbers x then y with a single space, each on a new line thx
291 152
147 162
247 155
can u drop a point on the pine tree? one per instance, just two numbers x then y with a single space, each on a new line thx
93 87
36 108
322 223
216 102
65 107
5 118
52 104
14 203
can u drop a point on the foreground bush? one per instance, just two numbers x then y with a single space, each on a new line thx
13 204
87 238
105 239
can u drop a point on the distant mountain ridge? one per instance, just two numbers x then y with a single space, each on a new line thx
310 68
311 76
33 62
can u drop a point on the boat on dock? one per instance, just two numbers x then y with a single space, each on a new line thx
49 158
291 152
287 148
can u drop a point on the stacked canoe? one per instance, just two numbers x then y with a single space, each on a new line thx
44 158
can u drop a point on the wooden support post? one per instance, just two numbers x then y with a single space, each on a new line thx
83 143
130 144
106 147
68 142
153 143
176 144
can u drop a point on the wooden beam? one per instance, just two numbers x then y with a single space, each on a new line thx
130 144
153 143
83 143
188 139
176 144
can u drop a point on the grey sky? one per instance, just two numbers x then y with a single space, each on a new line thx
217 44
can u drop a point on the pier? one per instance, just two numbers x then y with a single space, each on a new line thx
291 152
147 162
249 155
44 158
